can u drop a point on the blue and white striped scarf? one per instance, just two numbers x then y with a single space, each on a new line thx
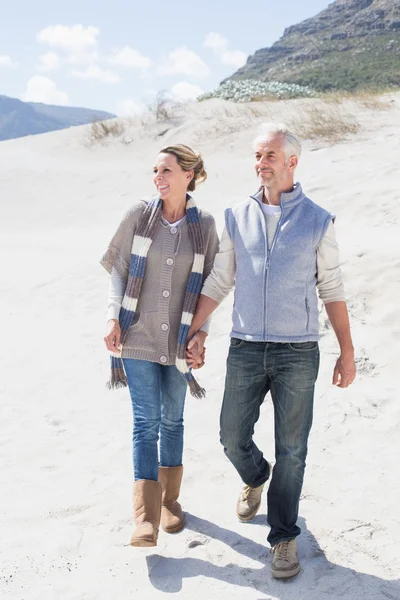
142 241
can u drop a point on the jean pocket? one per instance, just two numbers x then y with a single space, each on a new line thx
236 342
303 346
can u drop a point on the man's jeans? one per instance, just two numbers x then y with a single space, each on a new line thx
158 399
289 372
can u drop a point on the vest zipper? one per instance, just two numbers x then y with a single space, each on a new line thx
268 260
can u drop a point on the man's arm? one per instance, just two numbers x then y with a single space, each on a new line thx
205 308
331 292
345 369
216 287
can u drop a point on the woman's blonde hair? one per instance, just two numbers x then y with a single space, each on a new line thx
188 159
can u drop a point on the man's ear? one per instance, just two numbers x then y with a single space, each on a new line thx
293 162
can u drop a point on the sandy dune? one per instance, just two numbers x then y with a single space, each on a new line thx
65 449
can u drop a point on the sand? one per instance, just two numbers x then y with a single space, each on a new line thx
65 446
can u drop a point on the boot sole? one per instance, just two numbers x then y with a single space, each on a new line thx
285 574
140 543
175 529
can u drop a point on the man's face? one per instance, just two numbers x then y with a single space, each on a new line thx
272 168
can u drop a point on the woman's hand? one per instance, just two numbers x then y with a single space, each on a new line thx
112 338
195 351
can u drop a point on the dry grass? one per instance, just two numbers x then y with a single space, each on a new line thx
325 121
364 98
332 118
161 108
99 131
266 98
331 121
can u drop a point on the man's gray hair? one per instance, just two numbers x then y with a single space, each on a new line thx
291 143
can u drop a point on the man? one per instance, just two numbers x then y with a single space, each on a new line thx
276 249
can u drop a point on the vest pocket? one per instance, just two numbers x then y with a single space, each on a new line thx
308 314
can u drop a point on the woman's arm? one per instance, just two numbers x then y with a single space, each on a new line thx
112 338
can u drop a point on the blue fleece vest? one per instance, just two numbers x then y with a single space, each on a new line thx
275 290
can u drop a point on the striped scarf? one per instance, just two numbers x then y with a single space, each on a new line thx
142 241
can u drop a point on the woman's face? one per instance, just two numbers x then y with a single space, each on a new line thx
169 178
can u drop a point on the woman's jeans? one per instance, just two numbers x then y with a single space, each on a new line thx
289 372
158 399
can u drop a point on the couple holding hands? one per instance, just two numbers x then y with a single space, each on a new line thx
169 272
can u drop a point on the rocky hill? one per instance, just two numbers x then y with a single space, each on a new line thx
18 118
351 44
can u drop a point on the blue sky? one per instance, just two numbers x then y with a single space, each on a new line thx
116 55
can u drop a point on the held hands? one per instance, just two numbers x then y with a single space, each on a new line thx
112 338
195 351
344 372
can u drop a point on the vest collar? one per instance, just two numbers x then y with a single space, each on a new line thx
288 199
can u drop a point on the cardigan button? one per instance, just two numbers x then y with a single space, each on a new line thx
163 359
170 261
173 230
166 294
165 327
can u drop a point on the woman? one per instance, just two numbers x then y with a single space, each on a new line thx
158 259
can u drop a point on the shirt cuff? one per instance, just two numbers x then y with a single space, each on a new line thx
206 326
334 298
113 311
209 291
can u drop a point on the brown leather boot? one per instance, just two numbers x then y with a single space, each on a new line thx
147 510
172 517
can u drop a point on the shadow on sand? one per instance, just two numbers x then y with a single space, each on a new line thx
318 580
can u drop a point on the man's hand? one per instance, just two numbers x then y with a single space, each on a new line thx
344 372
195 351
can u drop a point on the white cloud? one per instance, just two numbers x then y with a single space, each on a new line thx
234 58
183 91
6 62
43 89
219 45
77 41
183 61
128 107
49 62
129 58
95 72
74 39
216 42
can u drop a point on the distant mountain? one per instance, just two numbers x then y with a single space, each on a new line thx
351 44
18 118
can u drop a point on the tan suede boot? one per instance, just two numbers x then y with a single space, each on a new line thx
147 509
172 517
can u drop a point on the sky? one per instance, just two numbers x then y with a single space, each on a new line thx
117 56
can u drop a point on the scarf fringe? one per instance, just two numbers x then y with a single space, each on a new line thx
117 379
196 390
